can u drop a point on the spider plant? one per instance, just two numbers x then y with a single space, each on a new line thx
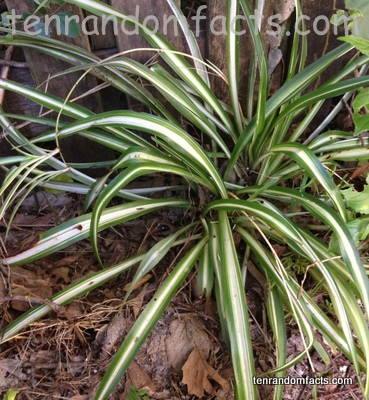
252 187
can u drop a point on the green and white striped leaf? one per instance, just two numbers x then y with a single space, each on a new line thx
79 228
313 167
175 60
147 321
174 136
235 313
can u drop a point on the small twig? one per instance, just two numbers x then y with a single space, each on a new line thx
342 392
55 307
15 64
70 364
301 288
32 300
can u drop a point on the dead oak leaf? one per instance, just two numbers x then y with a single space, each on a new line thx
196 375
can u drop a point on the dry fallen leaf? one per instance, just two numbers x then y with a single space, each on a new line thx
184 335
67 261
141 282
62 273
359 171
139 378
138 301
111 336
285 8
196 375
13 367
27 283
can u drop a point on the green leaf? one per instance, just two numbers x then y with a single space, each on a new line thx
40 6
205 274
233 62
68 27
235 312
191 40
142 391
361 44
358 201
361 120
297 306
25 14
337 19
260 117
313 167
276 318
356 4
79 228
360 10
359 229
182 144
116 184
11 394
